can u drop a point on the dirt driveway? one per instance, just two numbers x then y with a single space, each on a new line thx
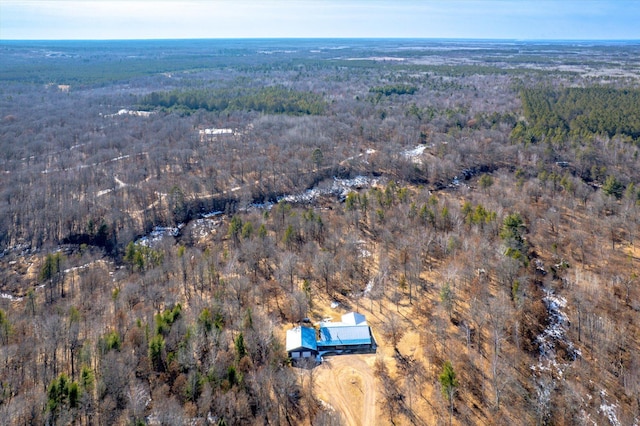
347 383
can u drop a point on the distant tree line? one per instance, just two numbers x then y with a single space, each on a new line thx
269 100
576 111
394 89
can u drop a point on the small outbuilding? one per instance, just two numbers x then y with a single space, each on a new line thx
301 343
354 318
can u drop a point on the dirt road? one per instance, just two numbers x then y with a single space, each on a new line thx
346 382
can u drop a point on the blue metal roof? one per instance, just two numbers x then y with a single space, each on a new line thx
301 337
345 335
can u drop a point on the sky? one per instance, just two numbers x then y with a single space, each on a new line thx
168 19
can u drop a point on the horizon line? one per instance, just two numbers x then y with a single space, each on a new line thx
505 39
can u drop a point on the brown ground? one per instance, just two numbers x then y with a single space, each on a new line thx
347 384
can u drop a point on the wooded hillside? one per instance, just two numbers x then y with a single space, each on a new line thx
163 224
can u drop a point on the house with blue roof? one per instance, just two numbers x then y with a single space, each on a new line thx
301 343
346 338
351 335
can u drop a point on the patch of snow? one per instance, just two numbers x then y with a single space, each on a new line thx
540 267
368 288
339 188
326 405
120 183
415 152
609 410
76 268
16 298
262 206
306 197
203 227
103 192
85 266
548 366
366 154
122 157
257 206
342 187
555 331
212 214
158 234
365 253
23 248
10 297
213 132
125 111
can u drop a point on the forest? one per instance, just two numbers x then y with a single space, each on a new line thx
267 100
581 112
168 209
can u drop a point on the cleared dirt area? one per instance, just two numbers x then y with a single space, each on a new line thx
347 384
